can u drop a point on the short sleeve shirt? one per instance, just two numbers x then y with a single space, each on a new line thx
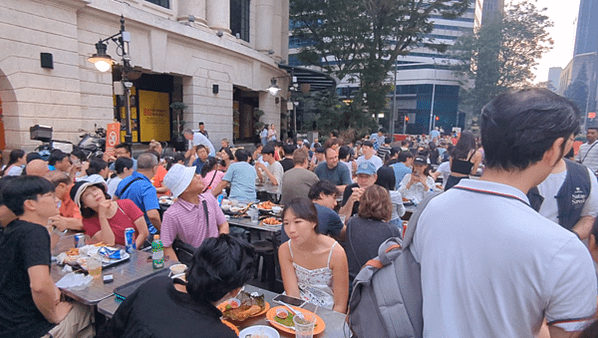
125 217
198 139
188 221
277 171
340 175
142 193
22 245
241 176
588 156
505 262
375 160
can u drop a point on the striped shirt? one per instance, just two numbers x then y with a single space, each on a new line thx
187 221
588 156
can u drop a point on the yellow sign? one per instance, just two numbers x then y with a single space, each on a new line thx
154 116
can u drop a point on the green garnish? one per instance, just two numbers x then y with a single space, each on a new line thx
286 321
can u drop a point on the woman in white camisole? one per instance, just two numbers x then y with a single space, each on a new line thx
313 266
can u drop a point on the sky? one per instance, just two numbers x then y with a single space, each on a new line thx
564 15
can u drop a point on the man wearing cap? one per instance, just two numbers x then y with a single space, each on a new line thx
331 171
366 177
369 155
195 215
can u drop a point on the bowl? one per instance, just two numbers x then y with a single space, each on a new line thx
234 209
282 313
225 207
276 209
264 331
178 269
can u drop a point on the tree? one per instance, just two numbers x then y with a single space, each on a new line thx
577 91
501 55
359 40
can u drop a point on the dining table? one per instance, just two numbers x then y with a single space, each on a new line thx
137 266
335 324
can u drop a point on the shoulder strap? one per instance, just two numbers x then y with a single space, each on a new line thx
471 156
493 193
129 184
330 254
205 210
208 186
587 152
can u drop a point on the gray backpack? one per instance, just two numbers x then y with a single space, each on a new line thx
387 298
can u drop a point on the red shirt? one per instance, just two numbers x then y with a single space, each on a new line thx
125 217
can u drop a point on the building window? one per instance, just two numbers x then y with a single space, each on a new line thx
163 3
239 18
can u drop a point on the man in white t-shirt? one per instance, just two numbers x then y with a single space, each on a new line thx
369 155
588 152
271 174
197 139
491 266
568 196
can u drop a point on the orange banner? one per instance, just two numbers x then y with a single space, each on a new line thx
112 137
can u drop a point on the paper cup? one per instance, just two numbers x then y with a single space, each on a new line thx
304 325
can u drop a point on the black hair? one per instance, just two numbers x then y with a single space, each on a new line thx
404 155
201 123
242 155
175 158
4 181
14 156
95 166
323 186
229 153
268 149
320 150
33 156
219 266
519 127
305 209
126 146
211 162
388 139
78 153
464 146
343 152
386 178
87 212
121 163
23 188
56 156
289 149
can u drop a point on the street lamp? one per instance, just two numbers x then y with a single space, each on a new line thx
103 62
273 89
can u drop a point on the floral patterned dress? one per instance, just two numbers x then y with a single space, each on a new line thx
315 286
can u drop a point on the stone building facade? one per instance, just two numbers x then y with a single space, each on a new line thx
216 56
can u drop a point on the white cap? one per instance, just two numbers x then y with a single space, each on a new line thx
178 178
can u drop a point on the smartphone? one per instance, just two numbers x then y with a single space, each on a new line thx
289 300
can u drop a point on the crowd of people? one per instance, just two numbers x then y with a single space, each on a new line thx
500 250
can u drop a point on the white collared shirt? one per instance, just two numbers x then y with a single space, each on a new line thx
493 267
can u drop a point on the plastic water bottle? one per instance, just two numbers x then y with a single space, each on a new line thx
157 253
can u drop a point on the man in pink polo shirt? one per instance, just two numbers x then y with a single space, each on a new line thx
195 215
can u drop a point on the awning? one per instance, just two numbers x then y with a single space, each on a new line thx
317 80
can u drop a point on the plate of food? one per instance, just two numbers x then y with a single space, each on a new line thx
259 331
407 201
231 326
271 221
282 319
243 306
265 206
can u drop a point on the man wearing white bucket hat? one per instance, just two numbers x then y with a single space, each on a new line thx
195 215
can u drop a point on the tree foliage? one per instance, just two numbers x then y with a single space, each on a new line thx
359 40
501 55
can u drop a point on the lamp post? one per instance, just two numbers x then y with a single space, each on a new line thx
433 95
103 62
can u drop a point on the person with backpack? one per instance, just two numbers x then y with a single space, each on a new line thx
313 266
490 264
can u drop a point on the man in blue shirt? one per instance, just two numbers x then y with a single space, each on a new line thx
241 177
139 189
202 158
403 167
331 171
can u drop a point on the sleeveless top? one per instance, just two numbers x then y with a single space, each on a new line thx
315 286
462 166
